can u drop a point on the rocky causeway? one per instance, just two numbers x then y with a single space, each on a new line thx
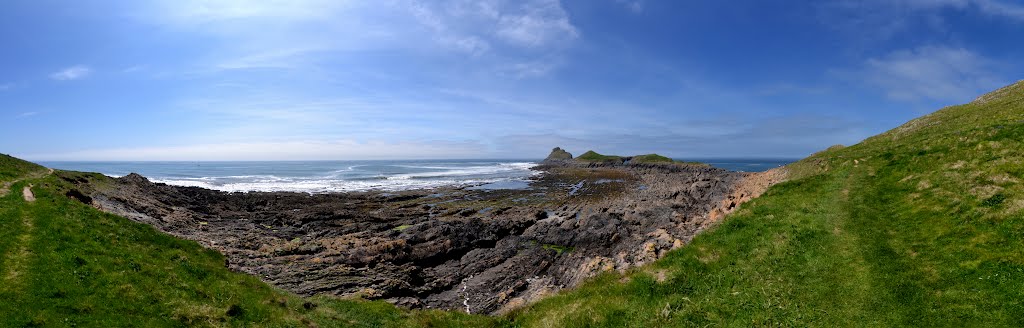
480 249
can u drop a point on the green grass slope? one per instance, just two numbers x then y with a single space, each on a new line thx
12 168
65 264
920 226
655 158
651 158
592 156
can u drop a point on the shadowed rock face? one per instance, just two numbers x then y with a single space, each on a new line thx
473 250
558 155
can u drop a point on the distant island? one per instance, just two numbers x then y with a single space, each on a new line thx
560 155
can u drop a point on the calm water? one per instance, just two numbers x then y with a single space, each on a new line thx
747 165
328 176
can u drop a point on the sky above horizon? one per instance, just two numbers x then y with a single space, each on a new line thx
408 79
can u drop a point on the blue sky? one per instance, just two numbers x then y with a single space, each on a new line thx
291 80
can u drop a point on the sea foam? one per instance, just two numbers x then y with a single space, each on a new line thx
323 177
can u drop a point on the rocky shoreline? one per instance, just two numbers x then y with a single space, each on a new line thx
469 249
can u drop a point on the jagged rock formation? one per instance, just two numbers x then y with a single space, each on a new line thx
558 155
480 251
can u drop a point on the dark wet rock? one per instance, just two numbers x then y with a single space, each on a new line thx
482 251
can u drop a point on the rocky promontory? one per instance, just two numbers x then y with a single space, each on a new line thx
558 155
472 249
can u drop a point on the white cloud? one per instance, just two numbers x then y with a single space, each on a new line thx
27 114
929 73
447 35
72 73
473 26
6 86
279 150
305 34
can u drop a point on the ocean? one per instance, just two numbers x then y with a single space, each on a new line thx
746 164
340 176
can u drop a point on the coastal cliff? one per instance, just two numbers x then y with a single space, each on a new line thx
476 250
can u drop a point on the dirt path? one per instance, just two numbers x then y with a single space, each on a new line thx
5 187
27 193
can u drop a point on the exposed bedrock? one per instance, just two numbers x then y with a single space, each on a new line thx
450 248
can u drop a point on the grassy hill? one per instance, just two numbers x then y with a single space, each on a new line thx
655 158
12 168
651 158
920 226
592 156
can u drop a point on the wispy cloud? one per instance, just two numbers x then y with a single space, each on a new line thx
285 58
536 24
999 8
6 86
26 114
309 33
72 73
788 136
933 73
636 6
280 150
328 81
197 12
787 89
514 31
531 68
869 22
134 69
